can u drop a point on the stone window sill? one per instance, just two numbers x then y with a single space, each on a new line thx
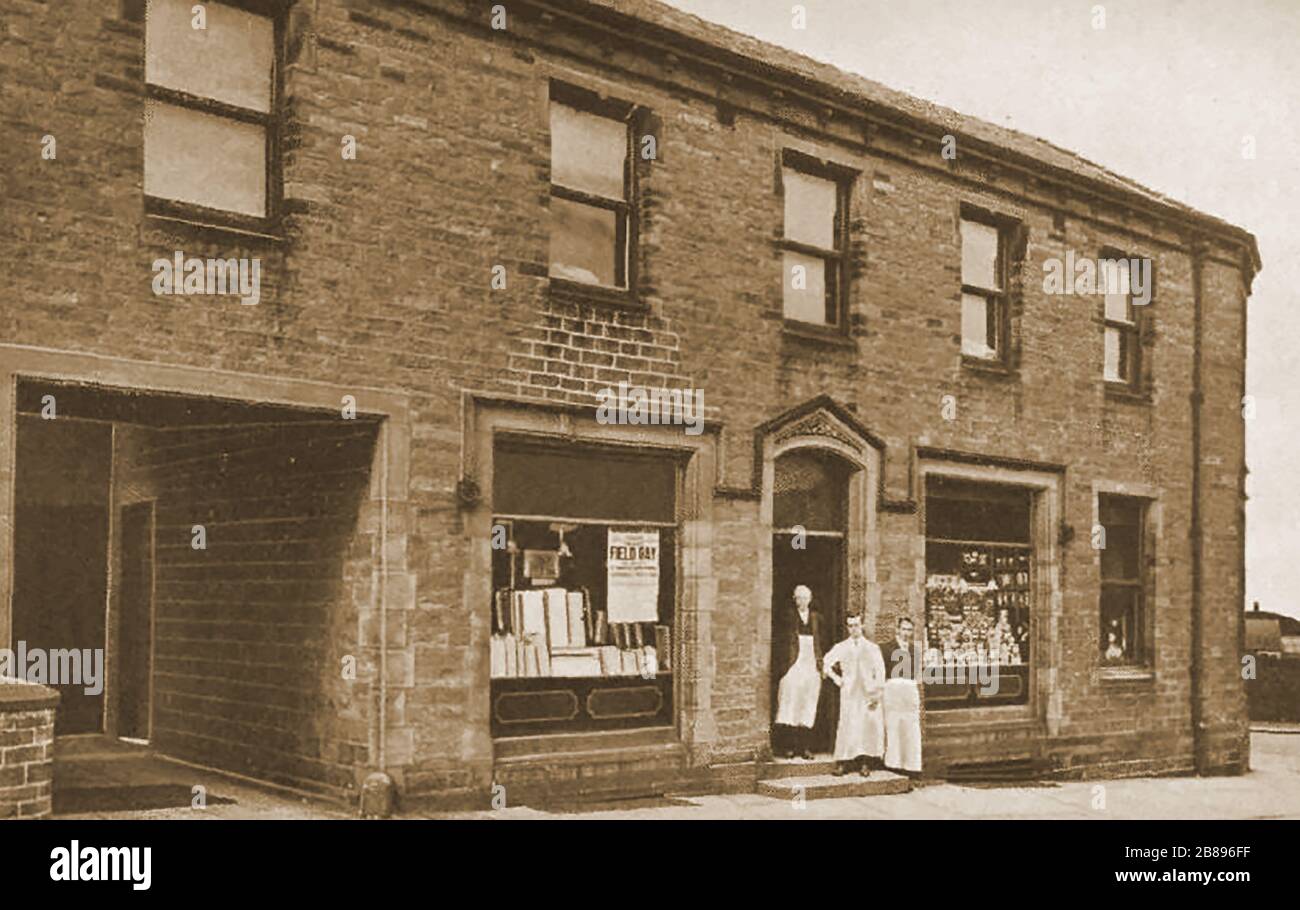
1122 392
162 212
993 368
1125 675
575 292
829 335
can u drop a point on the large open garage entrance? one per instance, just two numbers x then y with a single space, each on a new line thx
213 552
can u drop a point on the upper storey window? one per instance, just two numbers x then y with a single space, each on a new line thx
210 73
591 189
814 240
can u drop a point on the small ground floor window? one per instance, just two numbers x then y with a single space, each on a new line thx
584 582
979 561
1124 580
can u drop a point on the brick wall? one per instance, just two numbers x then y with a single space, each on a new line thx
251 631
26 749
383 278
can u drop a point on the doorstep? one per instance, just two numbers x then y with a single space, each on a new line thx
829 786
796 767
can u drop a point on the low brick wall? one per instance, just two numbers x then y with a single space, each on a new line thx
26 749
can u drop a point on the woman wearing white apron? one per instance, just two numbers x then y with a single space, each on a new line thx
902 701
861 731
800 687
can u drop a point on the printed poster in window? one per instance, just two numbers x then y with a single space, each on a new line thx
632 566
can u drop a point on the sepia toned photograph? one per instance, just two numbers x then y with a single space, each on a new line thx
449 411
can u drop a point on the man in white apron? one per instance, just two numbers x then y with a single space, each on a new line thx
800 687
903 700
861 731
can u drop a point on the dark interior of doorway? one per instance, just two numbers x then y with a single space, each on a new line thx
61 556
819 564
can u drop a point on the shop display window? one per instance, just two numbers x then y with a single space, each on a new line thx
979 560
584 581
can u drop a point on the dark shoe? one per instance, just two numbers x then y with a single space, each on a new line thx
840 769
865 771
806 755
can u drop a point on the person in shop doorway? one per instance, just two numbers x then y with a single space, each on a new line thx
902 700
860 735
800 687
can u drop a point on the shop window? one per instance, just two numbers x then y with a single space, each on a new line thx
1122 347
584 581
814 240
979 560
208 134
984 319
1123 580
591 188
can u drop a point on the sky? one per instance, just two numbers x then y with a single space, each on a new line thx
1171 93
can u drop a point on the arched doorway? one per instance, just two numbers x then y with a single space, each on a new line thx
810 525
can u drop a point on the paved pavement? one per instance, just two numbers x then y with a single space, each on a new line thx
87 785
1270 790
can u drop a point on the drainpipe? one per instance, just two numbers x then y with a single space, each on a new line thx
1200 756
383 599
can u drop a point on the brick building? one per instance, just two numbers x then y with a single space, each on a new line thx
472 220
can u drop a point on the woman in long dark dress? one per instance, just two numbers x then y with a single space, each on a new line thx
800 685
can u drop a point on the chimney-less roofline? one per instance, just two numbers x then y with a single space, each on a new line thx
621 24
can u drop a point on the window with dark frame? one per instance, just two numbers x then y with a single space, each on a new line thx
592 233
1123 580
1122 344
577 645
209 139
979 592
984 241
814 240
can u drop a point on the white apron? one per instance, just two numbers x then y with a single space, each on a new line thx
861 729
796 697
902 702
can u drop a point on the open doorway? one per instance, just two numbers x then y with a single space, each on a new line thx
206 554
810 510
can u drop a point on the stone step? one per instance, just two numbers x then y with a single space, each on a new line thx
828 786
796 767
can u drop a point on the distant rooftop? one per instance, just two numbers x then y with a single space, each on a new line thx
1288 625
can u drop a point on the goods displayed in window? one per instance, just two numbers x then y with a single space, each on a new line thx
979 614
583 589
978 594
559 631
